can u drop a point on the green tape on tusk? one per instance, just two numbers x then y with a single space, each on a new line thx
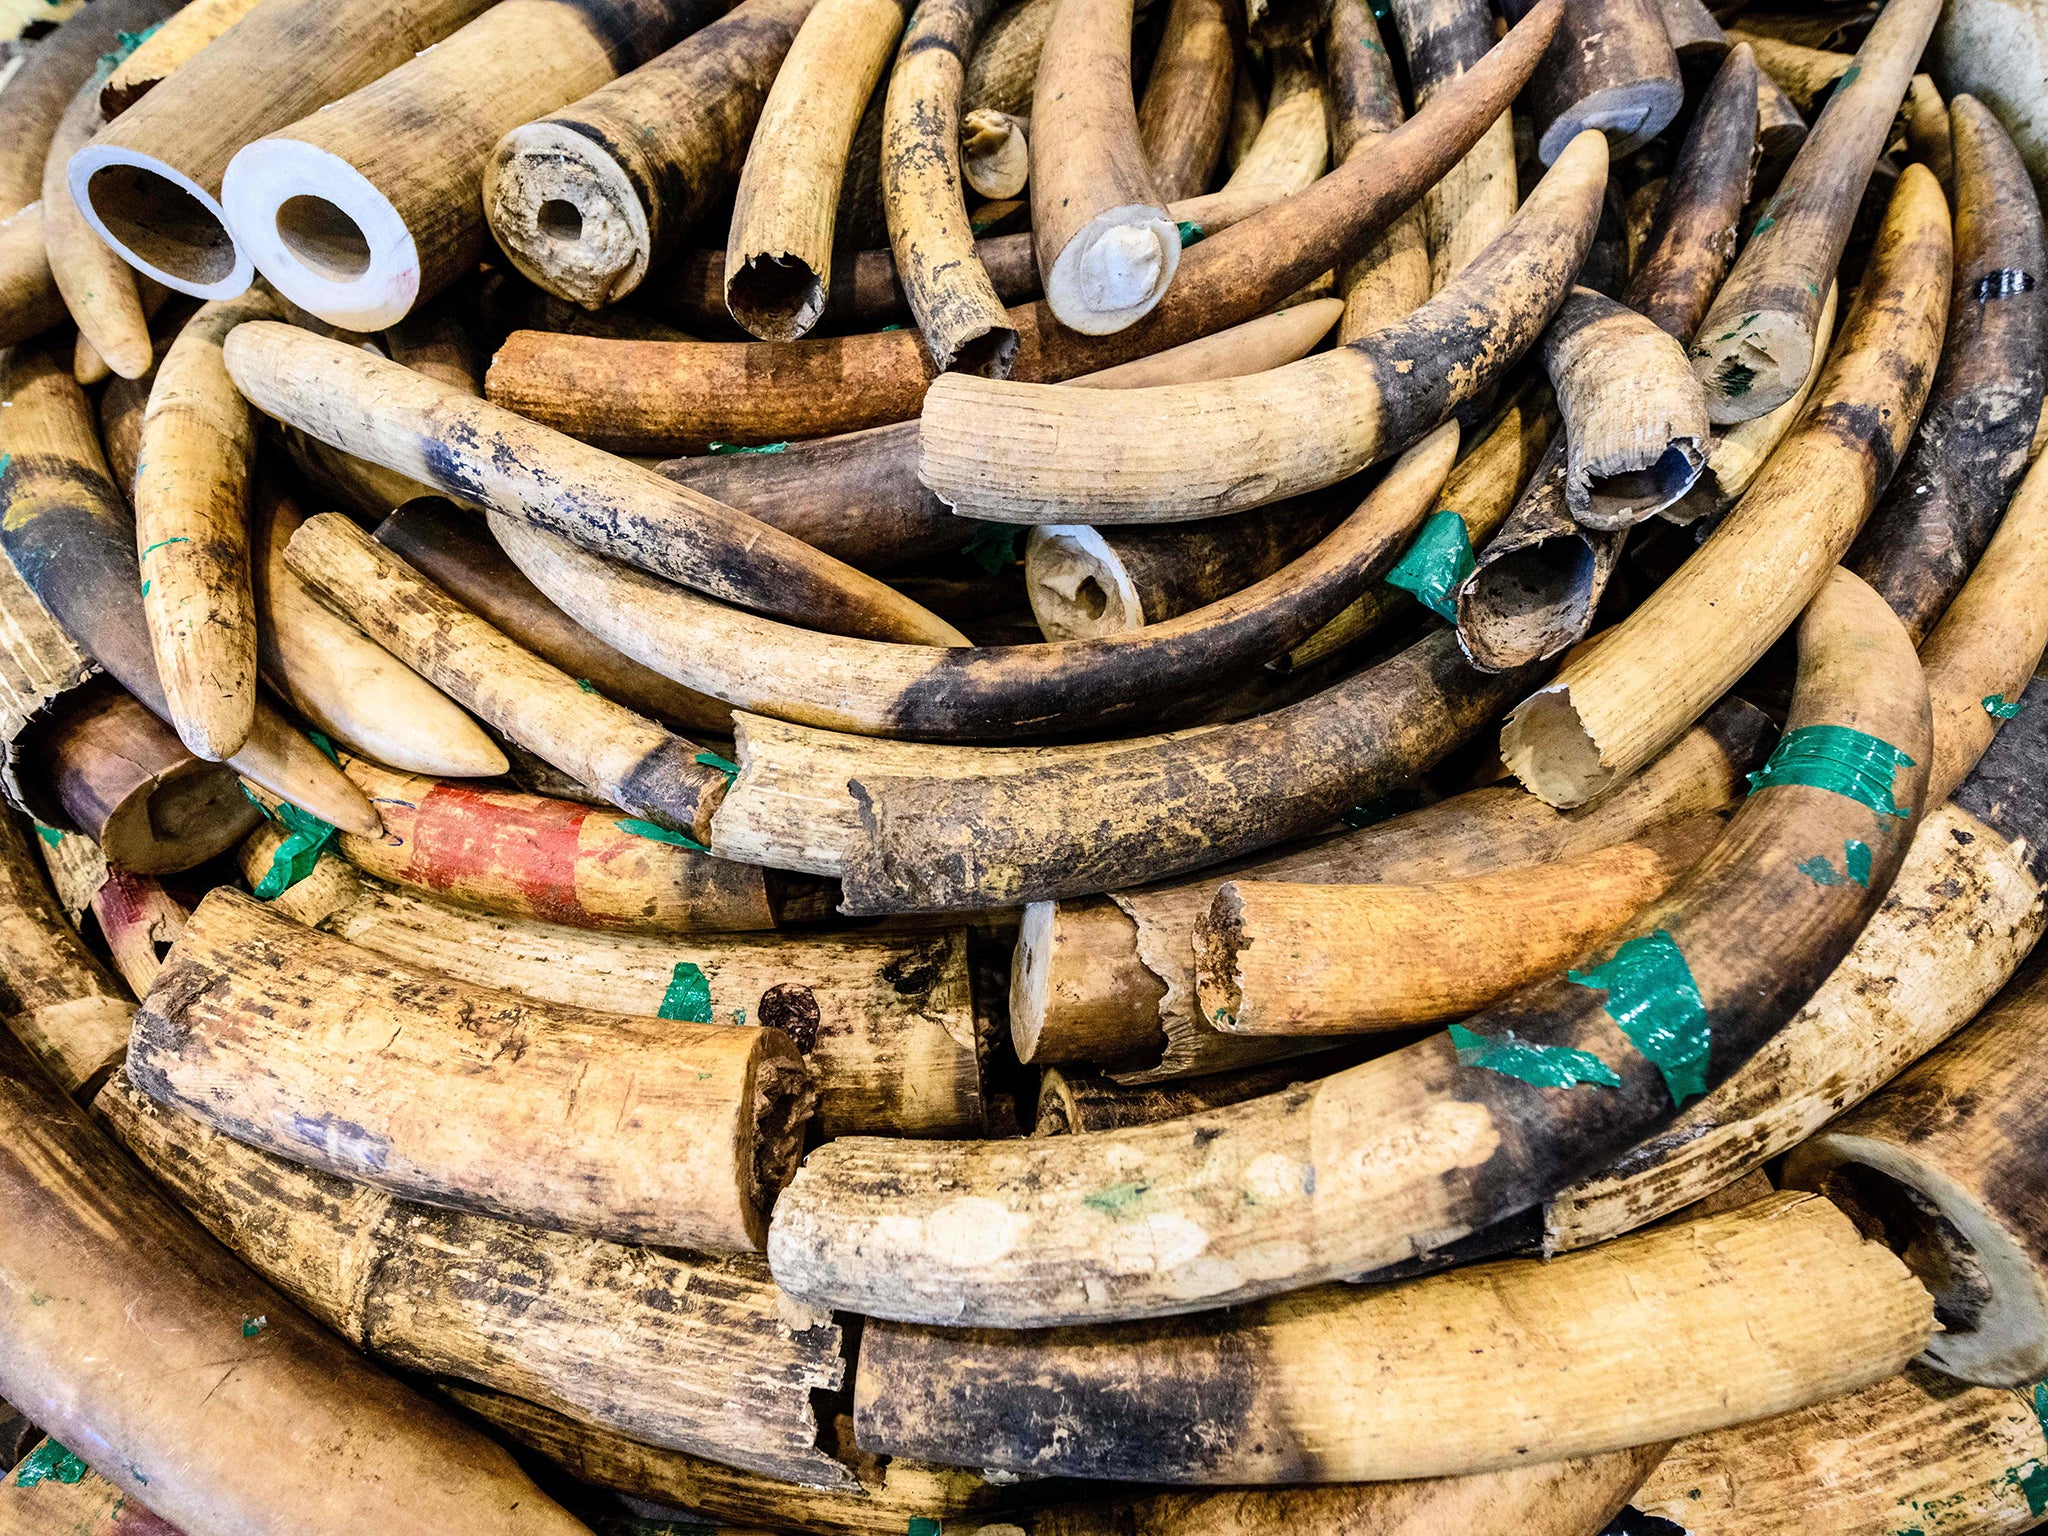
1190 232
724 765
2000 708
922 1526
652 833
160 543
1436 564
49 1462
688 998
585 685
724 450
994 546
1838 759
1653 999
50 835
326 747
1546 1066
251 1326
1856 862
306 838
125 43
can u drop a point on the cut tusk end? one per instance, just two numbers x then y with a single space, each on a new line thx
567 215
1114 270
1078 588
160 222
1547 747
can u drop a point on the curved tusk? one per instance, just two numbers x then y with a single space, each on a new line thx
1611 69
65 1008
1391 279
1419 1147
1024 453
1186 107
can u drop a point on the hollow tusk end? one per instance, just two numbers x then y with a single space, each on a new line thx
1548 748
159 221
567 215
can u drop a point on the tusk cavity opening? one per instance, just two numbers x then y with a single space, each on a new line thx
159 221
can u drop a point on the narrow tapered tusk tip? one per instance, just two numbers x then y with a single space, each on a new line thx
216 739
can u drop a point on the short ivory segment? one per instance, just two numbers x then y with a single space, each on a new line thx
641 1130
1107 247
1590 1353
61 1002
192 512
778 254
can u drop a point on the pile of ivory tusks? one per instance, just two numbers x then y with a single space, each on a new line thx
1277 770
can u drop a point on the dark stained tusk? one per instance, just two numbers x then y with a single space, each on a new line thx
1186 107
1927 533
1611 68
676 1133
1424 1145
1391 279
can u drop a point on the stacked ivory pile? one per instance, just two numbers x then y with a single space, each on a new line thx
1068 768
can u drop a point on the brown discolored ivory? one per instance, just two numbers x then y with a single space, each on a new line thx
1925 118
857 496
196 459
1112 980
647 396
944 828
1004 69
1758 339
1416 1148
1017 452
1944 503
1635 420
1942 1166
1911 1448
1611 67
148 1350
1471 203
886 1021
483 453
637 765
1279 959
1186 108
1607 713
29 301
173 42
985 691
1084 583
588 199
1806 75
1071 1101
124 779
778 255
1693 238
341 680
568 1118
1964 912
68 533
558 861
99 288
372 205
950 295
60 1002
149 182
1107 247
452 549
140 921
1535 587
1391 279
1583 1355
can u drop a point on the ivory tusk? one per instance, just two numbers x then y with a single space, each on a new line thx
969 692
643 396
949 291
1758 339
1107 247
174 42
62 1005
1938 1166
140 921
1021 453
715 1367
1970 452
1858 1463
126 1365
149 182
587 200
36 95
995 154
68 533
481 452
123 778
341 680
1611 67
451 549
1477 1144
1928 131
1003 70
778 256
518 855
29 301
99 288
1605 714
645 770
1635 420
1280 959
886 1021
1391 279
1581 1355
479 1101
1185 111
1071 1102
372 205
1806 75
192 538
1113 980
